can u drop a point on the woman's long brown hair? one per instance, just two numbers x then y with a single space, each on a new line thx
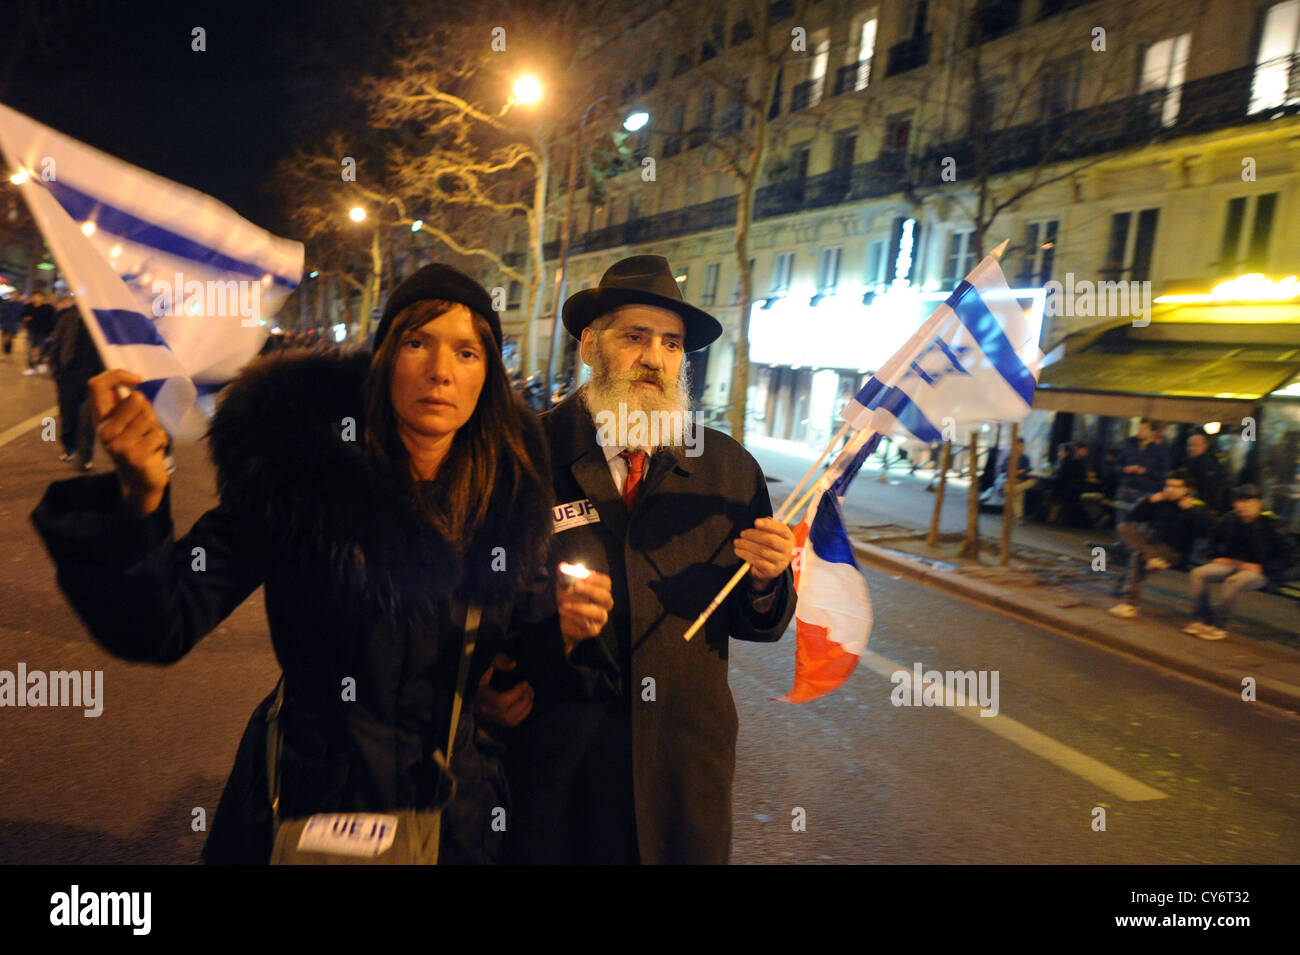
488 447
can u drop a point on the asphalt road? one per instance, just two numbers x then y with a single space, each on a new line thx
1183 773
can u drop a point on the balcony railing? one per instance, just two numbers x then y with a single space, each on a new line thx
808 93
908 55
1213 102
855 76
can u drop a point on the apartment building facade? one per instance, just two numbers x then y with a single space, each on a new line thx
1134 142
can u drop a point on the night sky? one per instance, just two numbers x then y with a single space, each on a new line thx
122 77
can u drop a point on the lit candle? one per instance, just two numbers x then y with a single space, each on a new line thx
570 574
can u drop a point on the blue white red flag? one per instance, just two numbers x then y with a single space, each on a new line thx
833 612
172 284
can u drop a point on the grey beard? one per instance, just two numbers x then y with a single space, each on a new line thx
604 392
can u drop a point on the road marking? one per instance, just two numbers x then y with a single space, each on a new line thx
19 429
1040 744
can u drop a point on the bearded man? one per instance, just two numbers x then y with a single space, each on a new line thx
629 752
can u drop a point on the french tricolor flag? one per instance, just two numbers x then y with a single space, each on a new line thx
833 613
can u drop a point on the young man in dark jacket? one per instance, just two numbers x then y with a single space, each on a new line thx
1142 464
1245 547
1174 519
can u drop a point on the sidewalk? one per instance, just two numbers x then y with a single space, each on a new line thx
1051 581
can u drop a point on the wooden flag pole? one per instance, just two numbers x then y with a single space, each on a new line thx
739 574
781 511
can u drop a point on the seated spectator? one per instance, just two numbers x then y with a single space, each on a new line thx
1207 472
1160 532
1246 547
1069 484
1142 465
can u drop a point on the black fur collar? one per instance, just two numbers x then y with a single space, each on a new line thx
287 440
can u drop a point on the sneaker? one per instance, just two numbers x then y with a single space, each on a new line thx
65 456
42 369
30 371
1157 563
1194 628
1123 610
1209 632
88 466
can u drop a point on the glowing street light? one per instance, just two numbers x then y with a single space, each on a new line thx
417 225
357 214
87 228
528 89
636 121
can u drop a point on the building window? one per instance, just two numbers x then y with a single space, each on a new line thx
1246 250
960 258
515 295
703 120
1163 69
1060 87
709 295
866 49
898 130
1128 255
673 141
782 269
1277 64
875 274
1040 253
828 271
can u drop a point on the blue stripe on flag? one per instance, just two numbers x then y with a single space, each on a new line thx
975 315
123 327
868 392
841 484
151 388
827 536
920 373
123 224
951 355
897 403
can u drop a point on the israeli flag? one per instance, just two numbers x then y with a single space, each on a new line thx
975 360
172 284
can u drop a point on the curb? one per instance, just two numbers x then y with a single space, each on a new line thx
1102 632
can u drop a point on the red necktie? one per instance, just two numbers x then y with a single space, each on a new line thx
635 469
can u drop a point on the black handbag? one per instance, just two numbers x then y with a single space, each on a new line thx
399 837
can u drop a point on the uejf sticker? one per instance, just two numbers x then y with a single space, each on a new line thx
351 834
575 514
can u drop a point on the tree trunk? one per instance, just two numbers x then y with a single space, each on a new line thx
932 538
1008 503
528 348
970 548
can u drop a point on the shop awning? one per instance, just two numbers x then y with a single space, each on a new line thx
1116 375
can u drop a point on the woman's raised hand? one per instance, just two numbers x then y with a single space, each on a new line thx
132 437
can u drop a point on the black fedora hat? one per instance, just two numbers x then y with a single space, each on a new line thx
640 280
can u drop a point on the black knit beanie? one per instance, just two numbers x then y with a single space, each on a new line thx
439 281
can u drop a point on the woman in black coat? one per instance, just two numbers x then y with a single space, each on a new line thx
375 497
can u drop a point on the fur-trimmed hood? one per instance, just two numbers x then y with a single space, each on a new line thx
288 442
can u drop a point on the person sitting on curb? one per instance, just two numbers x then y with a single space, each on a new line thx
1174 519
1245 547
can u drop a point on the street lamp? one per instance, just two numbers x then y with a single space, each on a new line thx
357 214
632 122
528 89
